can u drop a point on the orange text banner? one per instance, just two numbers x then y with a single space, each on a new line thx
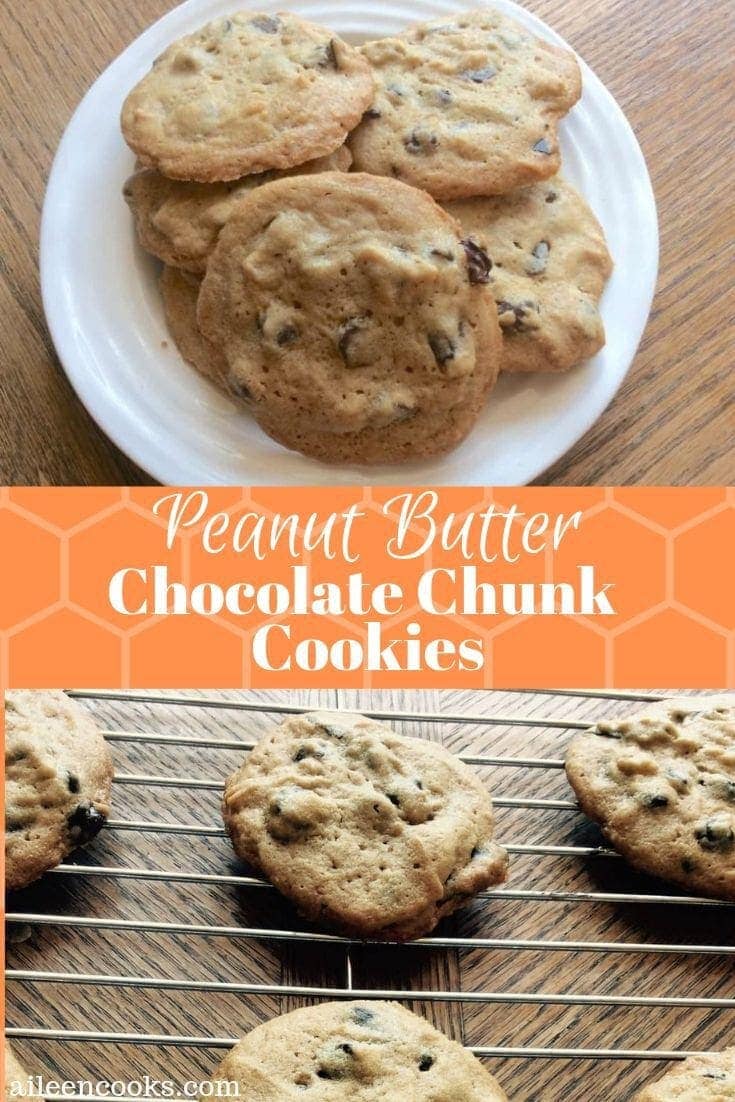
358 587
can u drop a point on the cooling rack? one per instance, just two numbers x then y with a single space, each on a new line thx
575 972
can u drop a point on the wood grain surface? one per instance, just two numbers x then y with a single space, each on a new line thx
259 960
668 64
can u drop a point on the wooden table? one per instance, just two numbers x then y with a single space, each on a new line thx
668 64
537 970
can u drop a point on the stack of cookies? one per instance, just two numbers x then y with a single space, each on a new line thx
291 185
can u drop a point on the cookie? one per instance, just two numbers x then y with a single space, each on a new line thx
354 316
179 291
662 787
466 106
16 1079
706 1078
550 266
179 221
367 1051
58 776
245 94
367 831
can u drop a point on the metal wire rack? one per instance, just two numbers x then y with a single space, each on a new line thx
306 938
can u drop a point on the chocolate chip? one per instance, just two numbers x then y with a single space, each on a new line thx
345 338
426 1062
402 412
520 313
479 76
716 834
543 146
721 786
539 258
372 113
442 347
268 24
362 1016
551 196
307 752
443 254
287 335
72 783
711 1073
325 57
85 822
479 264
420 142
654 799
346 1048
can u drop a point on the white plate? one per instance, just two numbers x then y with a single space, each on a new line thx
105 316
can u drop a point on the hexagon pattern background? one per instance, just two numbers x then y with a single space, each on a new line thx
669 551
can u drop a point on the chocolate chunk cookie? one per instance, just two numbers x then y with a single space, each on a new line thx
466 106
246 94
375 834
706 1078
179 221
16 1077
662 787
58 775
366 1051
179 291
351 310
550 265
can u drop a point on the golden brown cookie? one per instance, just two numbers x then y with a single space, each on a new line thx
662 787
179 291
179 221
550 266
365 1051
355 316
246 94
58 776
706 1078
365 830
466 105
